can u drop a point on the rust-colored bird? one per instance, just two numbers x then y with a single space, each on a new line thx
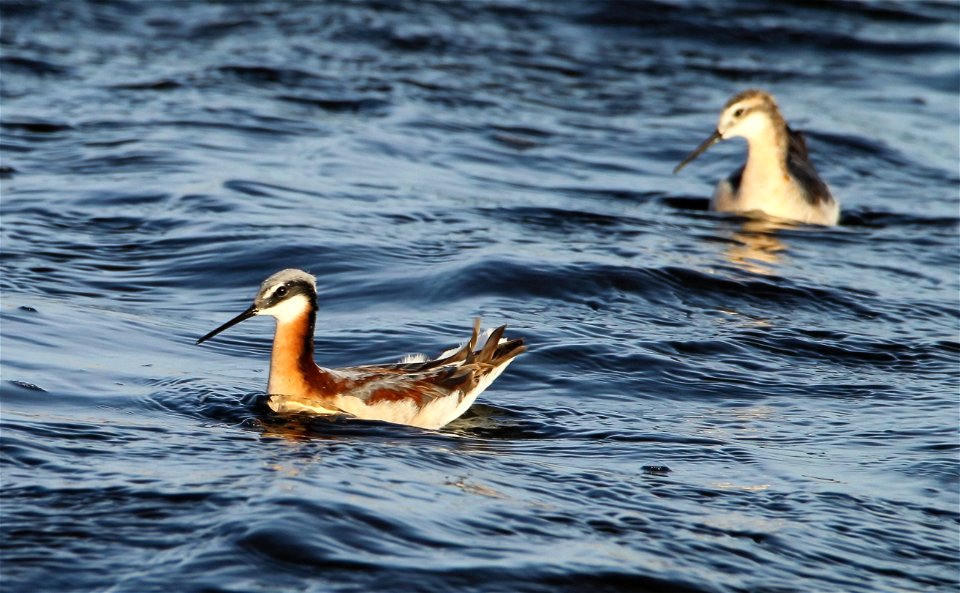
416 391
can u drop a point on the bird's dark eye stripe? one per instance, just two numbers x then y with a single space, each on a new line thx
282 291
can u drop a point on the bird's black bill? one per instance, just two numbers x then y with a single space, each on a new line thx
245 315
713 139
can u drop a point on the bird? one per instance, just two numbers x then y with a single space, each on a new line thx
778 178
417 391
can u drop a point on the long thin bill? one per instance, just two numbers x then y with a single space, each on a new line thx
713 139
245 315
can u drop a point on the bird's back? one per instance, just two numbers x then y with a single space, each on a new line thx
425 393
814 191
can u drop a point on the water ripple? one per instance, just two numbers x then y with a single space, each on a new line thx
708 403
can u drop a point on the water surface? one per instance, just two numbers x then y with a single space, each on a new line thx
708 404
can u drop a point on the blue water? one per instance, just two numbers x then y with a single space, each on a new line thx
708 404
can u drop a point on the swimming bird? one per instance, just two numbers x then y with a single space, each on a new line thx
778 178
415 391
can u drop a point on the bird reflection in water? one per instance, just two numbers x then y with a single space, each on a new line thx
755 246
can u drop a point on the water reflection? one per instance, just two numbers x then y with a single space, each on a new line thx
292 429
757 248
